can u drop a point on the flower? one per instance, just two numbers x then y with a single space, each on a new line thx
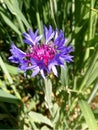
42 57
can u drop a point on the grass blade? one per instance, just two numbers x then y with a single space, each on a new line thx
88 115
9 77
39 118
9 23
7 97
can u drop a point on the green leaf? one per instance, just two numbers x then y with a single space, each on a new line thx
15 10
9 23
90 69
39 118
93 75
48 93
45 128
11 69
9 77
88 115
7 97
56 112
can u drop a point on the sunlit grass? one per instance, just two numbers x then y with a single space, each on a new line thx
68 102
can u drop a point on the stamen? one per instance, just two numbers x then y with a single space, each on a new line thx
43 52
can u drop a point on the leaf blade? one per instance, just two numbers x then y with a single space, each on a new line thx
37 117
88 115
7 97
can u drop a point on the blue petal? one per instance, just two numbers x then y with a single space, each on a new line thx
23 65
31 38
17 54
48 33
35 72
59 37
54 70
27 39
42 73
33 35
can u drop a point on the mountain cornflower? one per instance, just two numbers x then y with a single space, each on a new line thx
42 57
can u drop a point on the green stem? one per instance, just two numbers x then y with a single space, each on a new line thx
90 33
48 95
39 22
91 28
52 12
73 105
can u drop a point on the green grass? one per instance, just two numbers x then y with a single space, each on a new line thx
26 101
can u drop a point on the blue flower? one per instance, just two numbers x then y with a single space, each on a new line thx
31 38
42 57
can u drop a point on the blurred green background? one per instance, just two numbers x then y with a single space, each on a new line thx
69 102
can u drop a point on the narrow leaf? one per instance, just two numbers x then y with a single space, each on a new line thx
9 23
93 76
88 115
7 97
48 93
39 118
11 69
14 8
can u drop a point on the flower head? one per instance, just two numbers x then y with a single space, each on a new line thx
42 57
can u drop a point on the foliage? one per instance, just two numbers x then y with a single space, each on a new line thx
69 102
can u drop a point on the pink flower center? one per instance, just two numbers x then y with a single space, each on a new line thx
42 52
